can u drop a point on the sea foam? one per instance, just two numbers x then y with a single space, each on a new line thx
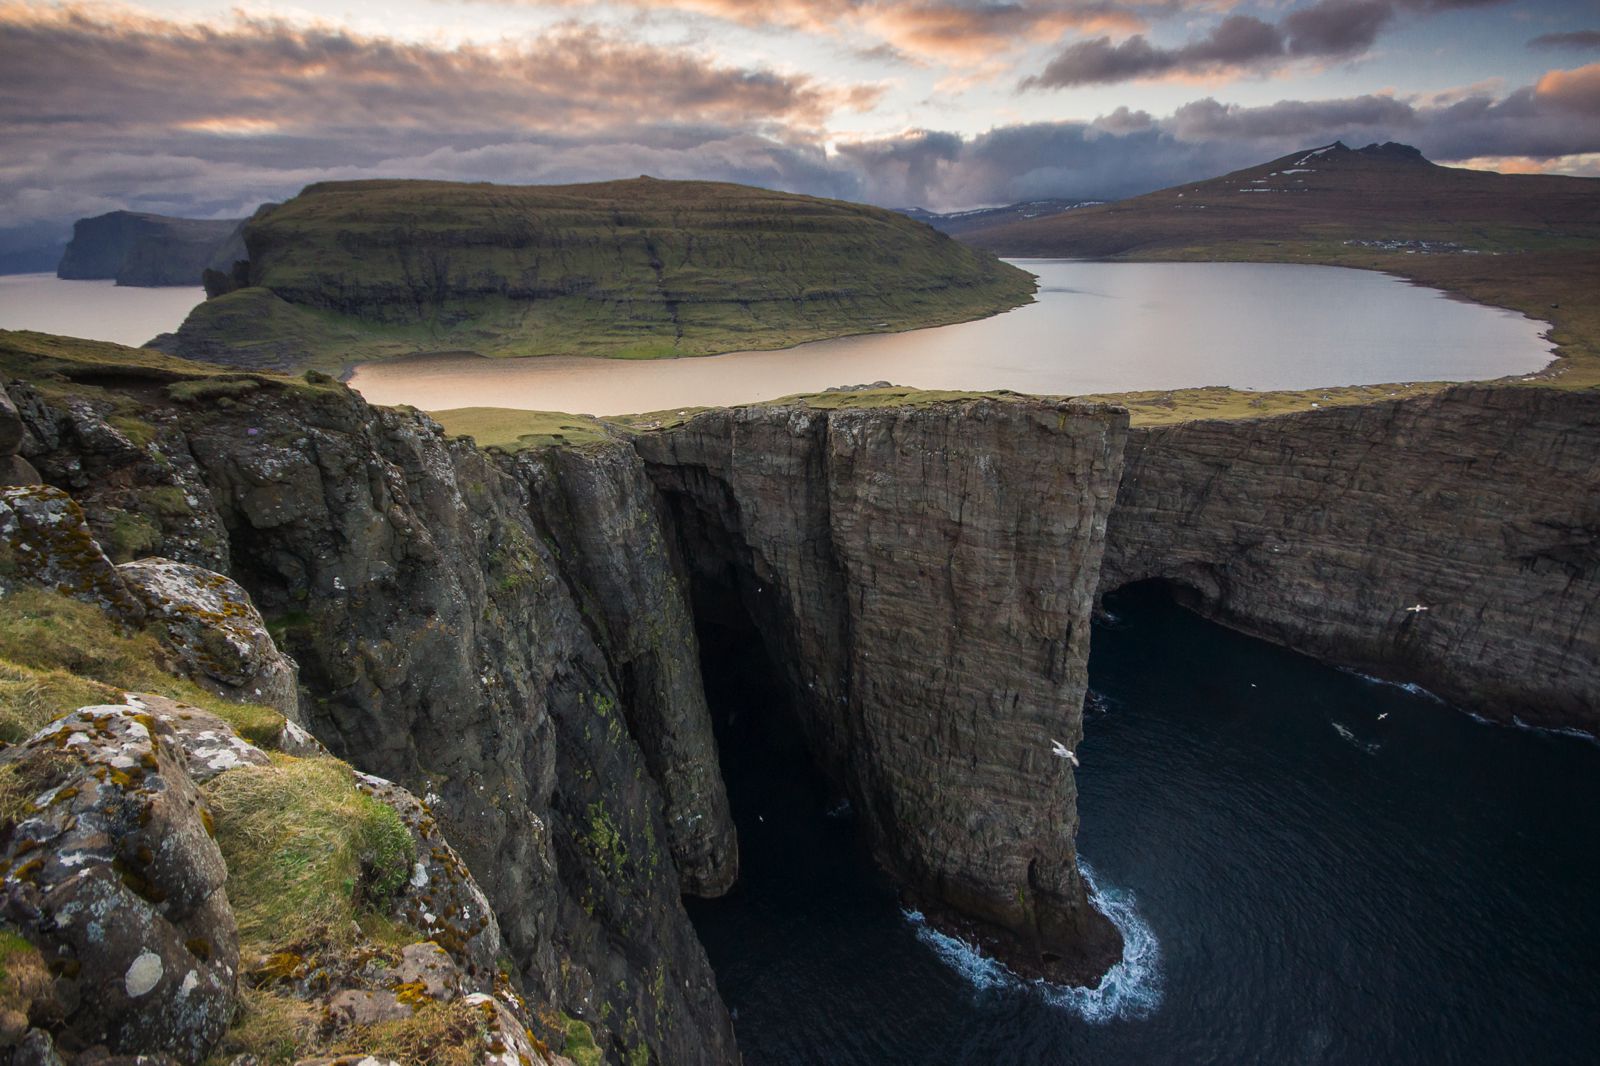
1130 989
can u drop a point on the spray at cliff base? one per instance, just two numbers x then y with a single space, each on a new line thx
1130 989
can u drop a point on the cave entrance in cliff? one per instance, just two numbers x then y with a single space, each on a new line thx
765 762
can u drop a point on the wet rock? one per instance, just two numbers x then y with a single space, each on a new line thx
111 872
216 630
45 541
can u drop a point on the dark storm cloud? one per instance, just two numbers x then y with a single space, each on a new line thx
1328 29
1574 39
130 128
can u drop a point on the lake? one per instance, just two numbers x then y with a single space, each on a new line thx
1095 327
98 310
1308 867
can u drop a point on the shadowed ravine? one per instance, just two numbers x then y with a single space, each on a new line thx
1323 886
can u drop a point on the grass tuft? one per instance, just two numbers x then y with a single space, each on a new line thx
306 851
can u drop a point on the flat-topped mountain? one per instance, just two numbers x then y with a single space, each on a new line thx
141 249
640 269
1388 194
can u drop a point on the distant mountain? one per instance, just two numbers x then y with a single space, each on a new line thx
352 271
141 249
1387 197
956 223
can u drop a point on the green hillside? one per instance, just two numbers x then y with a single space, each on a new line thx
354 271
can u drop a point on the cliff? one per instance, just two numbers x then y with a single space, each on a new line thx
1321 530
144 249
361 270
923 576
513 637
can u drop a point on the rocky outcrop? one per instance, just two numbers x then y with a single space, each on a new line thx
924 577
1325 530
144 249
598 508
111 872
45 541
217 632
443 647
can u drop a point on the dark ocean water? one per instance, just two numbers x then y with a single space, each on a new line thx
1302 882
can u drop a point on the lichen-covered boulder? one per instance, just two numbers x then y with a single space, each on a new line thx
108 868
441 899
216 630
210 745
45 541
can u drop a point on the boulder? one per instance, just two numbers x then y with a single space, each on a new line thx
441 899
10 425
210 745
217 632
44 540
109 869
15 470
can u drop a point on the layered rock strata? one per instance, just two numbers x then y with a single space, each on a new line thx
923 576
1327 530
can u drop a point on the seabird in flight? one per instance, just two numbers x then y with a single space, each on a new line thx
1061 751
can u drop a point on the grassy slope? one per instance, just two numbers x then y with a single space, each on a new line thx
634 269
1534 247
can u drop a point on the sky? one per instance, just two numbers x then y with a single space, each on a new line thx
206 110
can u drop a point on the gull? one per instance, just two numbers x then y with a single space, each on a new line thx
1418 609
1061 751
1382 716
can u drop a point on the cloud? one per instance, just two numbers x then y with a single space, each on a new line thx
153 115
1327 29
1574 39
954 31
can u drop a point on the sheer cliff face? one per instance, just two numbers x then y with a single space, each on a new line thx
143 249
924 577
443 643
1320 530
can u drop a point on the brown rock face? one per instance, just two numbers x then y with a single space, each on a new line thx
924 577
1320 530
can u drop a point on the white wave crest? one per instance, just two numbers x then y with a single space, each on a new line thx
1404 686
1130 989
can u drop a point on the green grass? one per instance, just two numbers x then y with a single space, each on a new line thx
581 1048
58 654
500 427
306 851
356 271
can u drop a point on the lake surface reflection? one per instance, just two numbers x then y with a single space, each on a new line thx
98 310
1096 327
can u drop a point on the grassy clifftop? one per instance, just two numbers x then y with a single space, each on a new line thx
636 269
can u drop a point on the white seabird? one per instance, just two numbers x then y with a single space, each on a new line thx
1382 716
1418 609
1061 751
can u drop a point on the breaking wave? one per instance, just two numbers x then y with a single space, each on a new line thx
1130 989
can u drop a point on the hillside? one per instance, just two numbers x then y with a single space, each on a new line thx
957 223
144 249
1387 194
642 268
1527 242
